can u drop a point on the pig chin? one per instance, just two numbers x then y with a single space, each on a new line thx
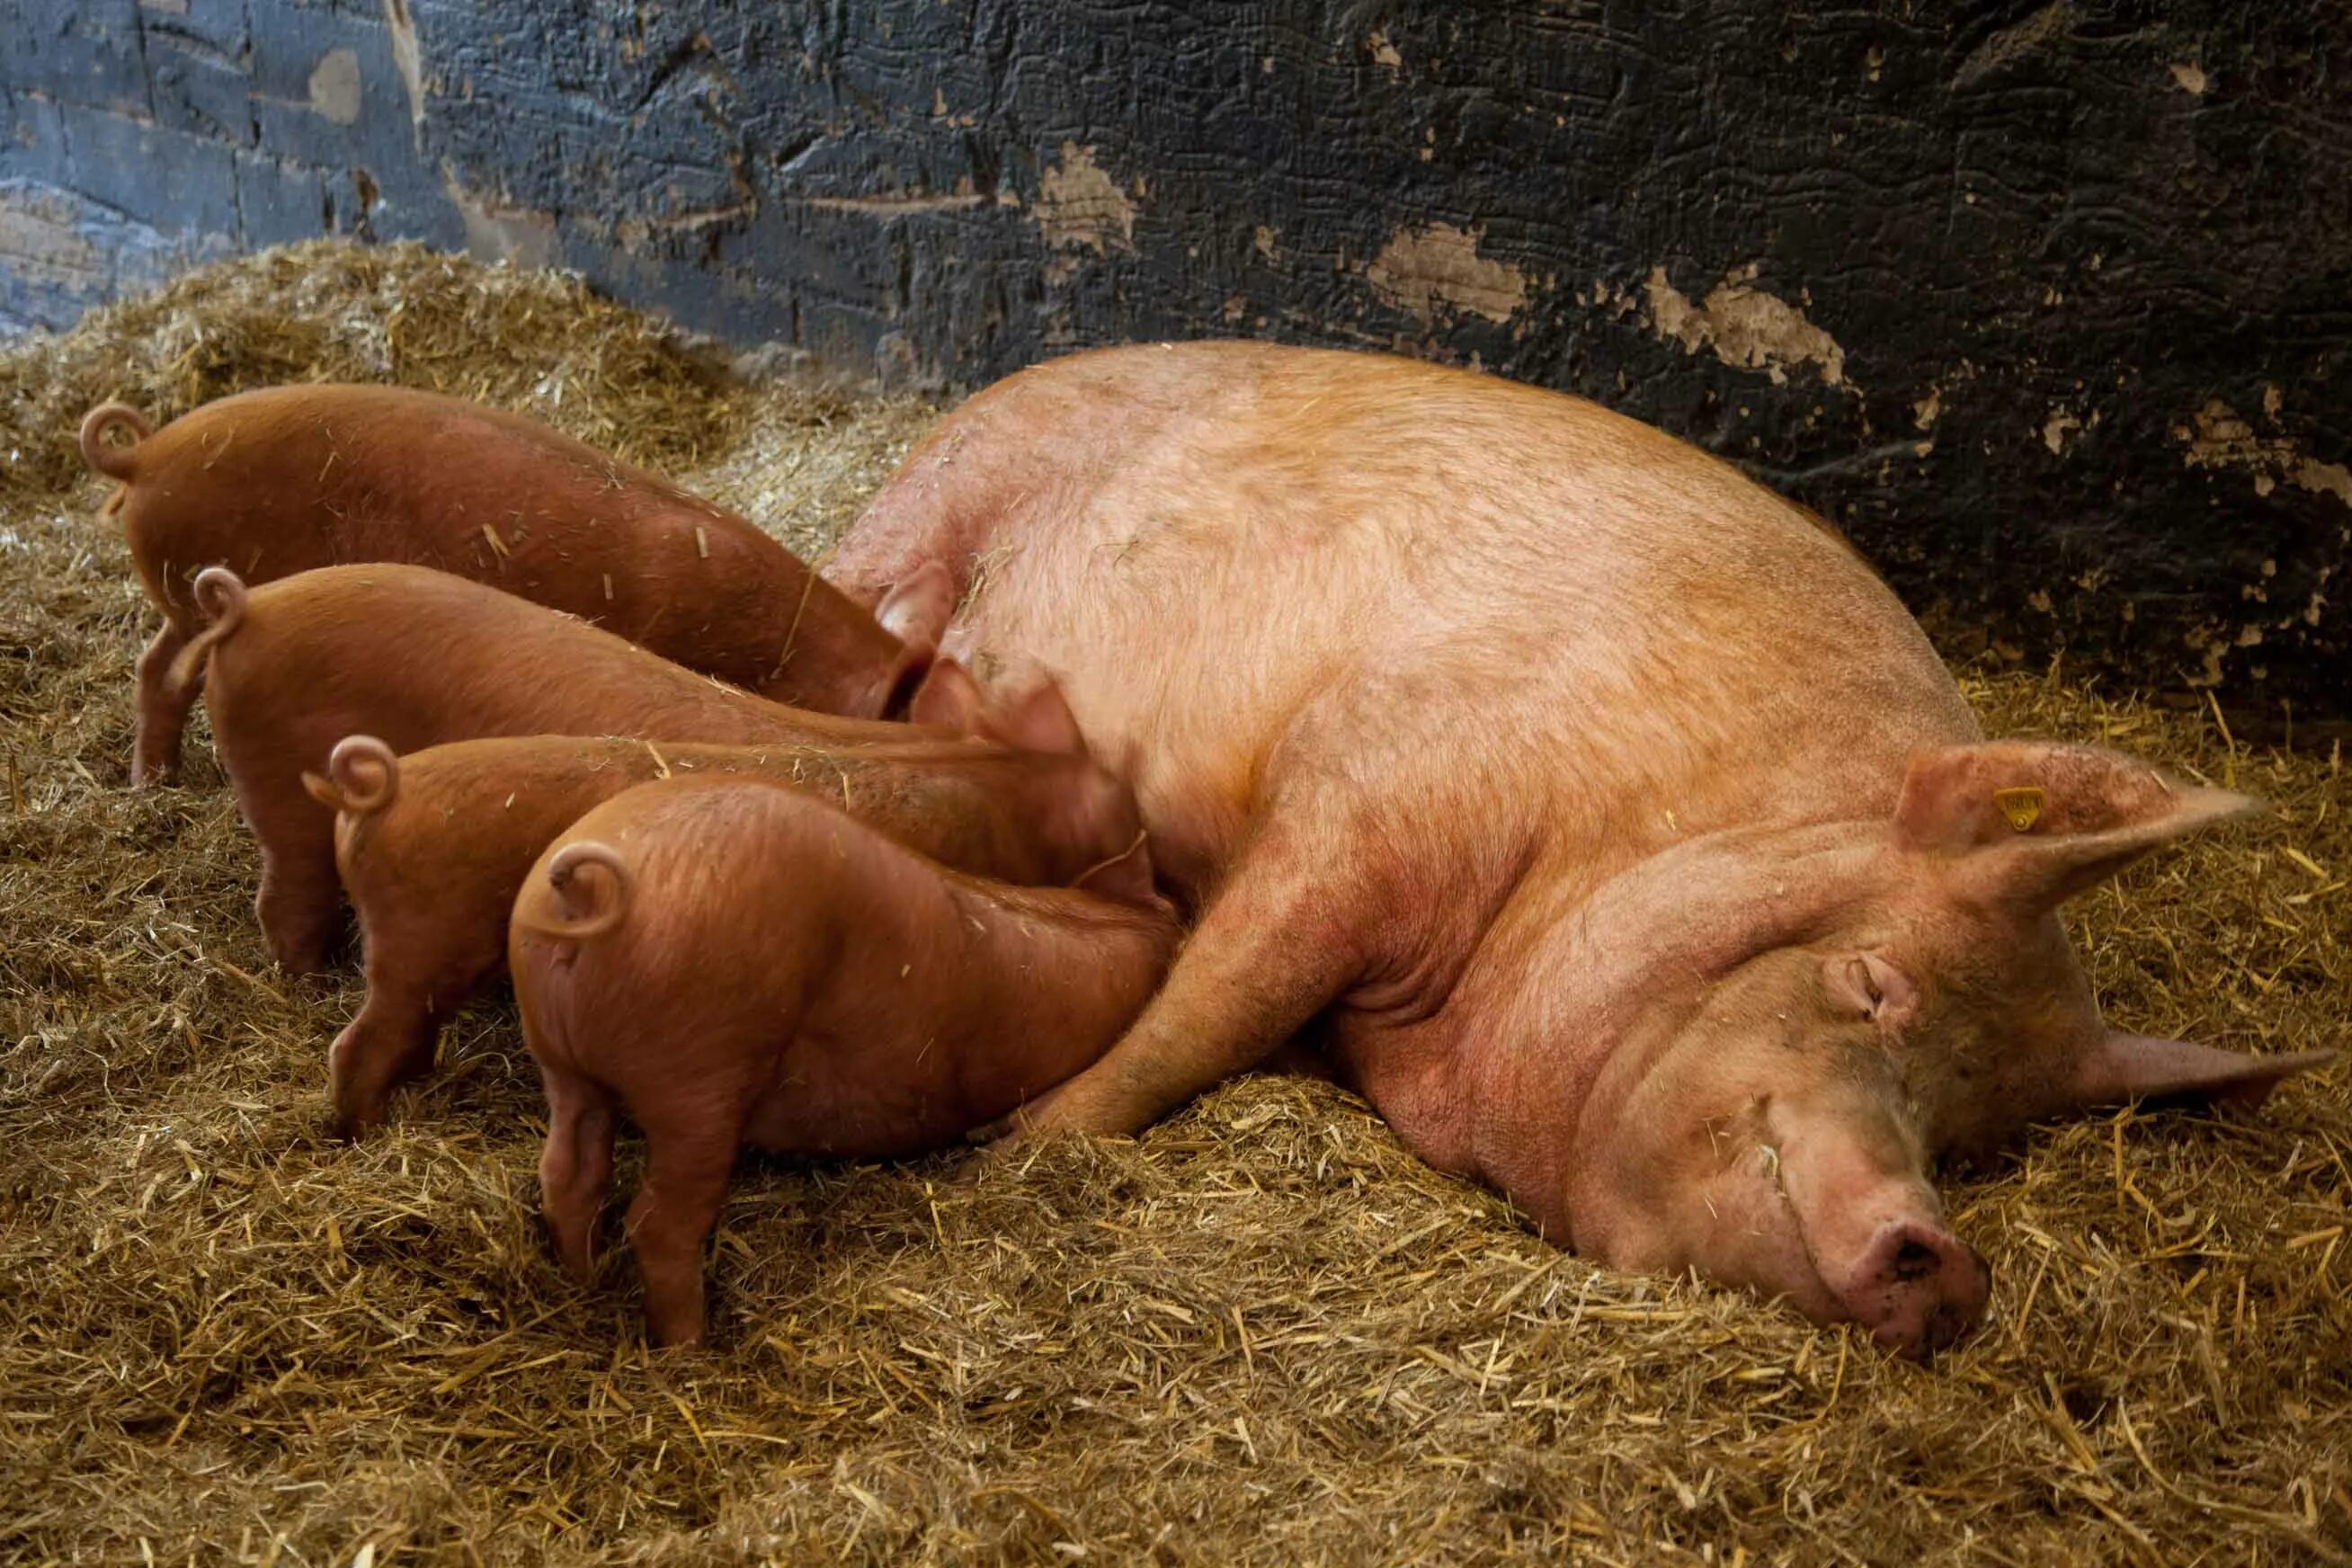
1755 1238
1740 1232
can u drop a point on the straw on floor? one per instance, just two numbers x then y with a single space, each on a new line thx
1261 1333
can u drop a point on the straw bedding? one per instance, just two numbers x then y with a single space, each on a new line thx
1261 1333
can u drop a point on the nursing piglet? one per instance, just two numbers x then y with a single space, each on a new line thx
417 657
434 846
732 964
280 480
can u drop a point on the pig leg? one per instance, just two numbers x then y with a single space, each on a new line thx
299 905
420 972
390 1043
687 1169
162 712
1331 899
1276 945
575 1168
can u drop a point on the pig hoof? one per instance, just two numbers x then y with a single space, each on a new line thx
353 1126
1026 1122
301 963
995 1131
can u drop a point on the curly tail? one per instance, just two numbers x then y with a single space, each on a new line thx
115 462
362 778
220 594
585 895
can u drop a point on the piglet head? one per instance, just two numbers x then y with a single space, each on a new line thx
1774 1112
1086 812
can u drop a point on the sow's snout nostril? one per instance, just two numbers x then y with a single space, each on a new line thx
1913 1259
1922 1290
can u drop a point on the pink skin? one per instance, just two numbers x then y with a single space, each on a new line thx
432 848
415 657
733 964
288 479
1577 784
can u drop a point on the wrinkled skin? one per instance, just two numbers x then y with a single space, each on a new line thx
288 479
432 848
1617 831
730 963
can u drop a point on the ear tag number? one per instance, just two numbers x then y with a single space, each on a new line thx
2022 807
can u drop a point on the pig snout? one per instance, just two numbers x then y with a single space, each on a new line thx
1916 1287
1872 1229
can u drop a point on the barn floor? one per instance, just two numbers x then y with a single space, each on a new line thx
1261 1333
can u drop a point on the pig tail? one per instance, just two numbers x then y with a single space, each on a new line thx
220 594
115 462
590 884
362 776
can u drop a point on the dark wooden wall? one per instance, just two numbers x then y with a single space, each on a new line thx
2049 306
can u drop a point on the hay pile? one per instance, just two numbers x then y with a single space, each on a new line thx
1262 1334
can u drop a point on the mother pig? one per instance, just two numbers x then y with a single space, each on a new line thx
1630 842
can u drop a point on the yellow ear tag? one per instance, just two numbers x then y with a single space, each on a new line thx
2021 806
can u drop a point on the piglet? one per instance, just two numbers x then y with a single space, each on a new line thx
287 479
731 964
434 846
417 657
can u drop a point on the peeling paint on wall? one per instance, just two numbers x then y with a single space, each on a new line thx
2012 46
2056 428
1745 326
1424 268
54 245
2218 437
335 87
1081 205
2223 439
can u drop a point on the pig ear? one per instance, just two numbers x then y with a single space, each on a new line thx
1124 878
950 699
916 610
1042 722
1869 985
2034 823
2122 1067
